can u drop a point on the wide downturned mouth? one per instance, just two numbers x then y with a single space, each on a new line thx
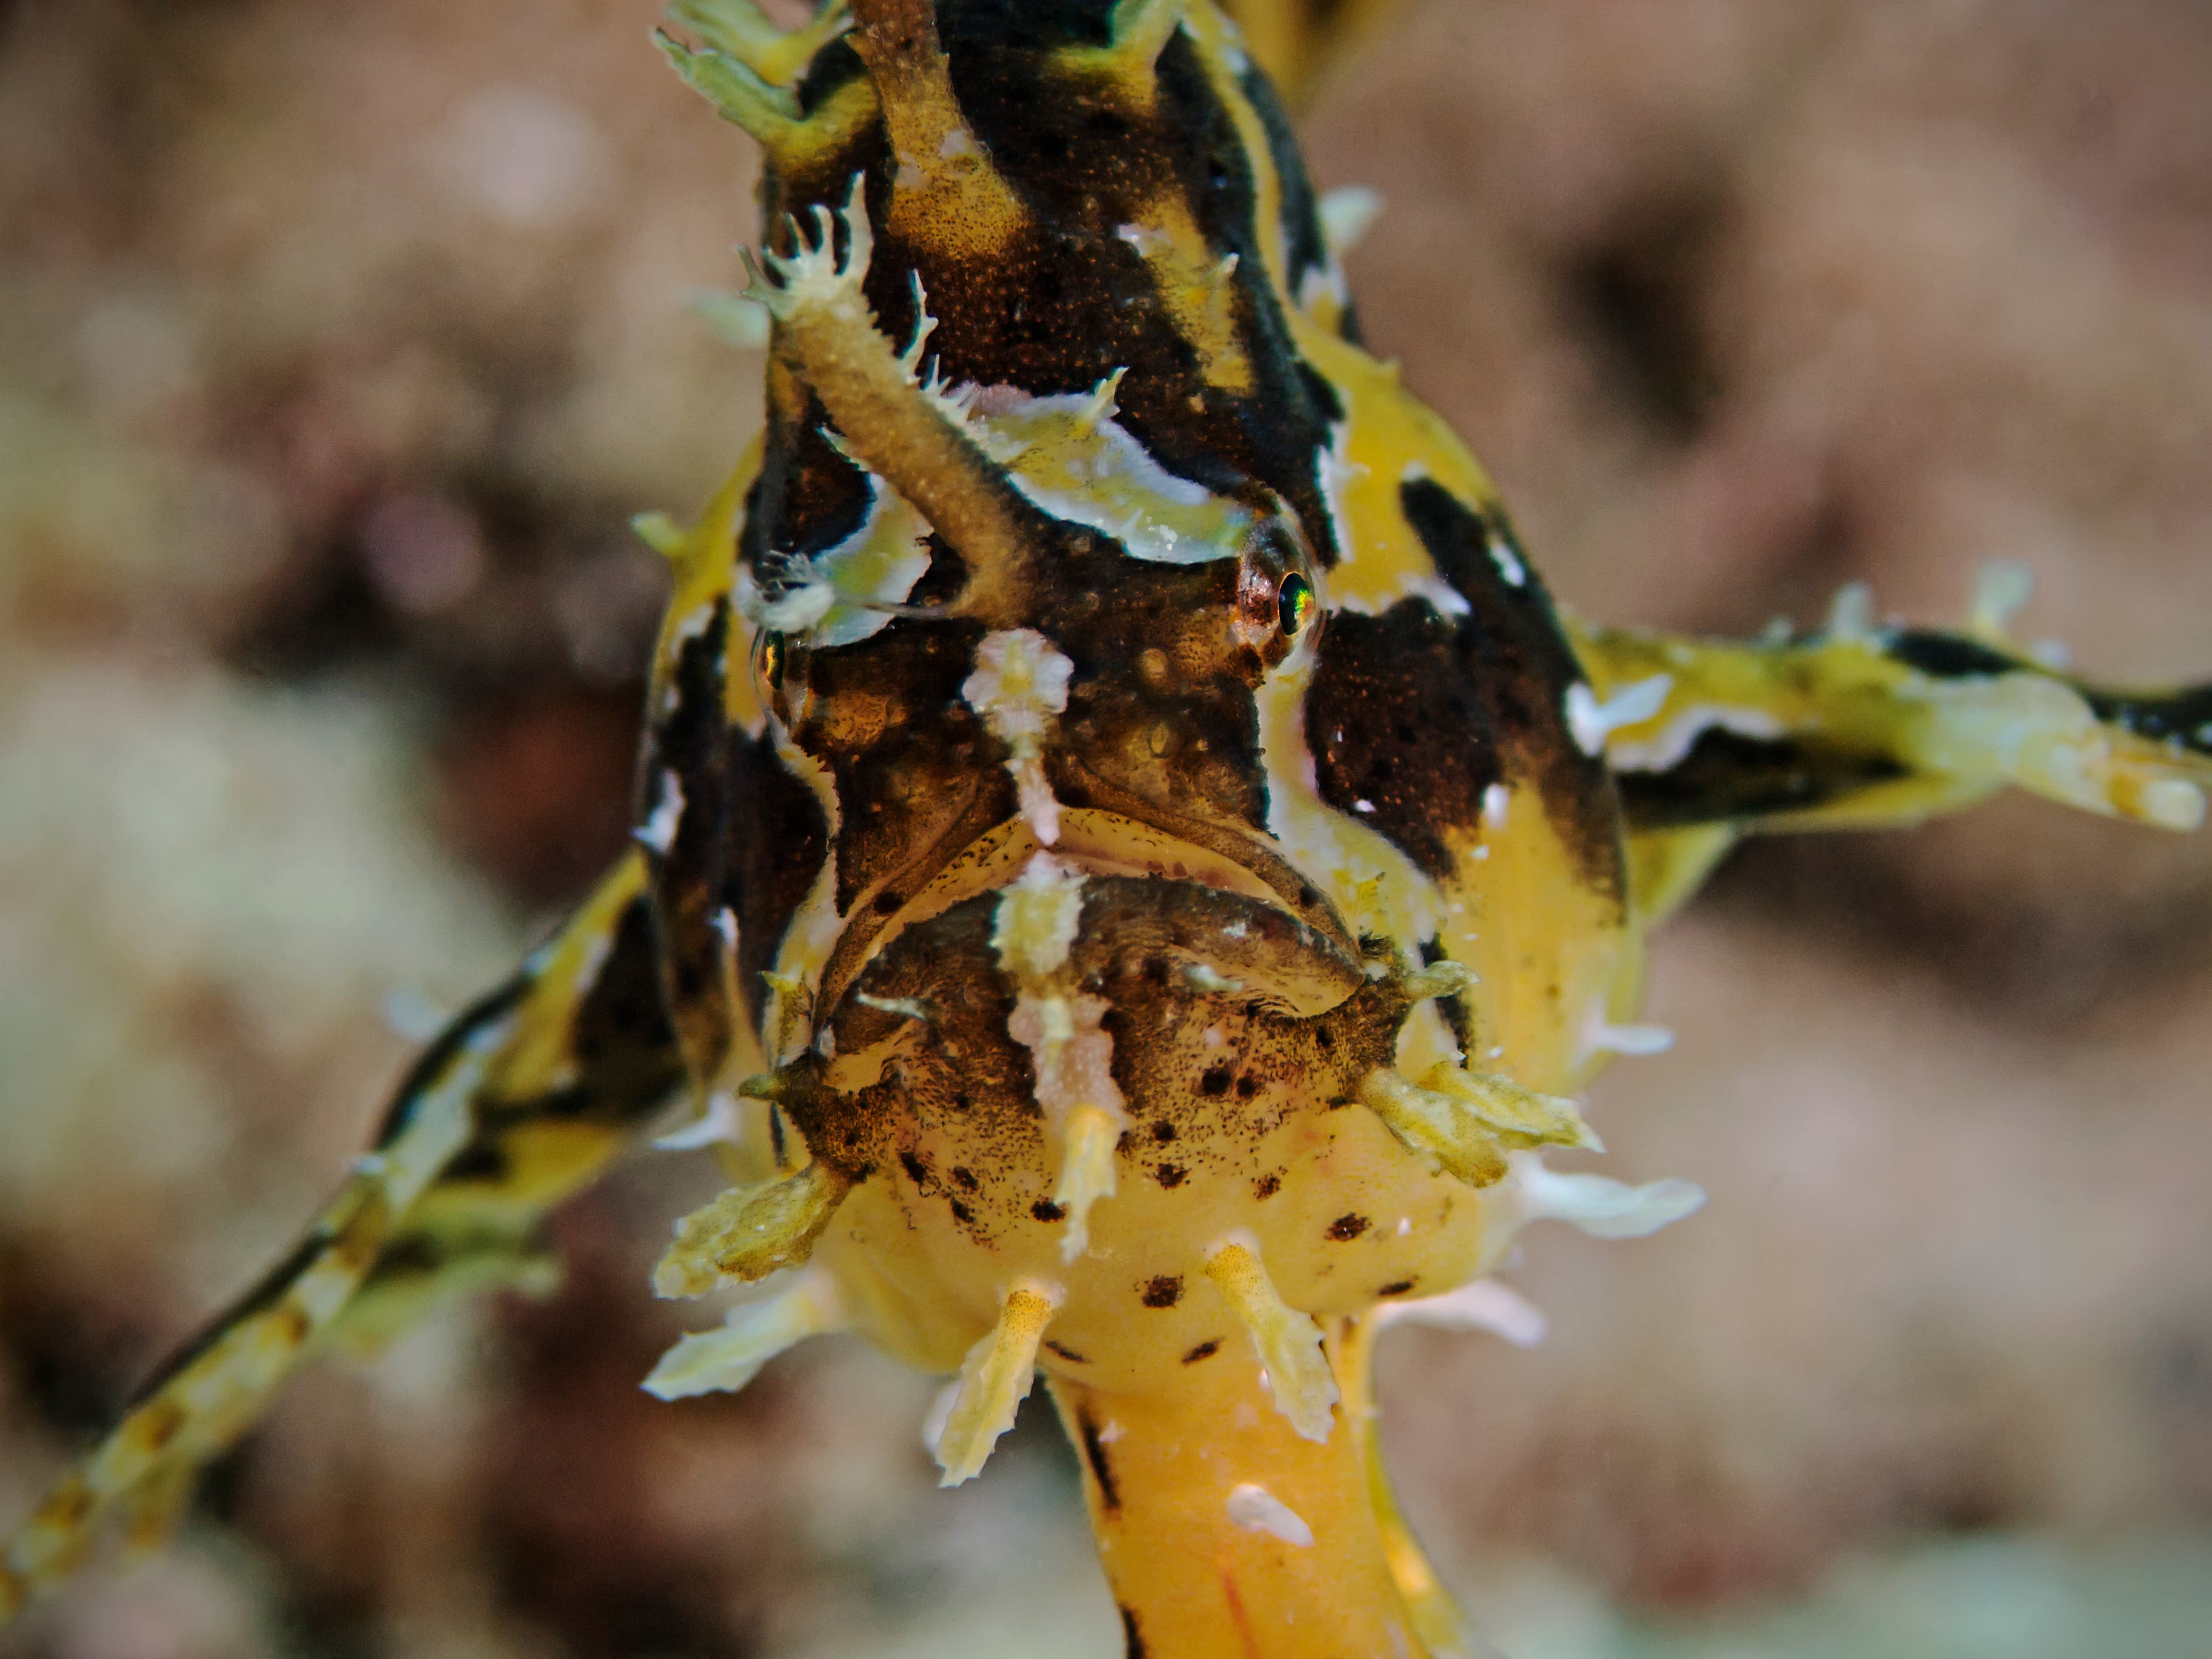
1100 843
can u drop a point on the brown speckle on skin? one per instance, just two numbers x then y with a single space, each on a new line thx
1163 1291
1346 1228
1215 1081
1397 1287
1067 1353
1045 1210
1170 1174
1266 1187
1203 1350
1164 1132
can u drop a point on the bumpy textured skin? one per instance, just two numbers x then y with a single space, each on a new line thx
1131 865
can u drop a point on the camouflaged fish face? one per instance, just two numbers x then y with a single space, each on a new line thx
1131 868
1137 807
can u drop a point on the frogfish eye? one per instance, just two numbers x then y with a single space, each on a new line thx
772 654
1294 602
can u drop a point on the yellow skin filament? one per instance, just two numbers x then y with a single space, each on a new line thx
1288 1342
1086 1172
995 1380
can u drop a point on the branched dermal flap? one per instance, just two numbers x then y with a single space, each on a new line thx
749 1232
1468 1121
739 28
750 70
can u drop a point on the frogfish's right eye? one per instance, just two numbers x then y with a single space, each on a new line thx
771 655
1294 604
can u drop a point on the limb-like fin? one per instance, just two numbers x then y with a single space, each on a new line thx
1437 1617
1289 1343
1861 727
505 1114
214 1391
995 1380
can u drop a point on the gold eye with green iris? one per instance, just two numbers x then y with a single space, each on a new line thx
1295 601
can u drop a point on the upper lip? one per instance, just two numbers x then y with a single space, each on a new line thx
1106 839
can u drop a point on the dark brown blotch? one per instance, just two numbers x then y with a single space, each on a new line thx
1397 729
1346 1228
1164 1291
1520 661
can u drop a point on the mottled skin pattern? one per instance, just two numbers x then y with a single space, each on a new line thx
1131 864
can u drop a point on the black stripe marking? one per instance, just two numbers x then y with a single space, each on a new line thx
1727 778
1132 1638
1102 1467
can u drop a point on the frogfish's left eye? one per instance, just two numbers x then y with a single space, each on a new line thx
1294 602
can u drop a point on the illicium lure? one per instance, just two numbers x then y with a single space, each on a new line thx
1132 870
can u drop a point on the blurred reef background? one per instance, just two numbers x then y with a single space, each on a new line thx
338 343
